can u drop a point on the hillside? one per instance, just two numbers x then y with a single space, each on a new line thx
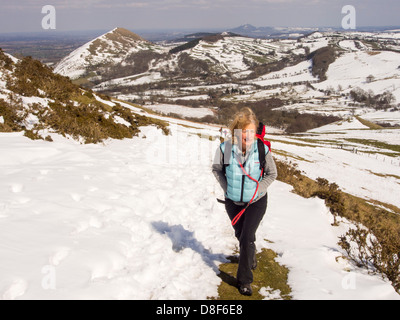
100 218
320 74
99 58
40 103
95 221
209 57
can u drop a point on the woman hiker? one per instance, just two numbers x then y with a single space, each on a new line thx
245 175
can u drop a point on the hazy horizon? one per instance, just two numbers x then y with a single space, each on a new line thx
158 15
46 33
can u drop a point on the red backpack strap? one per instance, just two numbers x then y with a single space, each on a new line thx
261 135
268 144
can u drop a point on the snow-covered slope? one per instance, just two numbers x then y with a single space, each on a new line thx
298 73
352 69
360 67
40 103
112 48
224 53
257 68
235 54
348 155
138 219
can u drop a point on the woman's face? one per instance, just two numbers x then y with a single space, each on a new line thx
248 135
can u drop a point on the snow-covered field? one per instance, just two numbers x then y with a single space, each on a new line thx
229 51
138 79
359 169
138 219
297 73
352 69
381 116
181 110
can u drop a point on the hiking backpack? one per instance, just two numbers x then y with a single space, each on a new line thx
261 143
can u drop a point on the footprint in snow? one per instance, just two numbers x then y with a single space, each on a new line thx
23 200
76 197
93 222
15 290
114 196
17 188
44 172
59 255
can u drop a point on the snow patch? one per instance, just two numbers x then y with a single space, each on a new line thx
96 221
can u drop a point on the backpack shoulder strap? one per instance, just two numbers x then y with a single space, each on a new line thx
226 149
262 150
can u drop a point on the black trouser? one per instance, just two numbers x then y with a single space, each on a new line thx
245 232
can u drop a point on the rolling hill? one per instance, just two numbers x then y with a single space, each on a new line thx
95 221
108 64
322 74
40 103
99 57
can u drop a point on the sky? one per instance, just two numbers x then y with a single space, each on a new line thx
70 15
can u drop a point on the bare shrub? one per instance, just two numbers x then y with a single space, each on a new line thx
378 256
375 242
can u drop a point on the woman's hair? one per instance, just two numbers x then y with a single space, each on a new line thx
242 119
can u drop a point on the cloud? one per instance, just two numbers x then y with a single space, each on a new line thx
90 14
155 4
38 4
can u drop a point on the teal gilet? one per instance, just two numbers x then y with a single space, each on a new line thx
240 187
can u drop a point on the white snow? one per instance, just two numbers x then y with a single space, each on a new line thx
358 168
143 78
74 65
114 52
109 103
381 116
198 97
181 110
14 59
352 45
306 242
352 69
138 219
351 123
298 73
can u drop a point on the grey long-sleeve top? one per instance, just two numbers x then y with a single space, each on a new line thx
271 173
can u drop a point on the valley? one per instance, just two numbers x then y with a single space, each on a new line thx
314 74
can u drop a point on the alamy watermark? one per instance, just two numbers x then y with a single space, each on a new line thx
49 278
49 20
349 21
349 281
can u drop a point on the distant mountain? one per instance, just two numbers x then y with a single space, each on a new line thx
105 53
244 28
207 67
120 59
274 32
249 29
